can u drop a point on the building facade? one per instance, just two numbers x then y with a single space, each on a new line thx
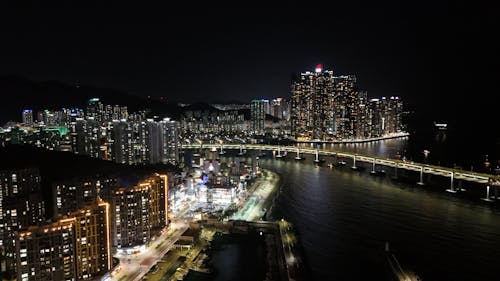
258 111
327 107
27 117
21 206
75 247
73 194
138 212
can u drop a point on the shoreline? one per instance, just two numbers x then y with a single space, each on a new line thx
395 136
271 198
260 199
283 249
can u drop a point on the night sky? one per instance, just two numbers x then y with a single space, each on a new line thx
219 53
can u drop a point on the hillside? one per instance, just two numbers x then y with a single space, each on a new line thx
19 93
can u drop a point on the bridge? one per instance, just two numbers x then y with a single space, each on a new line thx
453 174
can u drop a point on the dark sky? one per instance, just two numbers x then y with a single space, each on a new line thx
220 53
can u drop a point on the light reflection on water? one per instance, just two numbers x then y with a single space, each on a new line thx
345 217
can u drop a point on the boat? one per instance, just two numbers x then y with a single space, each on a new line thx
441 126
341 163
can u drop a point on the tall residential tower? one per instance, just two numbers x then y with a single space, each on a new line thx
326 107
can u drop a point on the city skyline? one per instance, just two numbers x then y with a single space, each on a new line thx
389 39
345 140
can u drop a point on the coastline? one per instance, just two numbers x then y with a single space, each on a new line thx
394 136
260 199
246 229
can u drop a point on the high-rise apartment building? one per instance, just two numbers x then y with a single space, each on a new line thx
326 107
46 252
144 142
137 212
21 205
345 106
312 113
92 240
74 194
393 110
169 139
205 122
280 108
27 117
376 117
385 116
258 110
76 247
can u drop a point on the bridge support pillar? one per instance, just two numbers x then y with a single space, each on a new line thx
279 153
487 199
354 163
452 188
421 182
316 160
298 155
241 150
395 172
373 167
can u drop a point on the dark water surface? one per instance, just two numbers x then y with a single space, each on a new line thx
454 147
238 257
344 218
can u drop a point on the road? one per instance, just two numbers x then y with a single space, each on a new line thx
135 266
288 241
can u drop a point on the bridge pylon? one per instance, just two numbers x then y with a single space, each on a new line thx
421 181
452 188
487 198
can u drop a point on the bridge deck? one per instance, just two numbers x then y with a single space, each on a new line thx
395 163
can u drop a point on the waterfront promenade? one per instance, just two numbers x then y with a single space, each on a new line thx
262 191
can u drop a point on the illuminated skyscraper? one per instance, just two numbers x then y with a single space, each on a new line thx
169 139
393 110
46 252
21 205
345 106
27 117
280 108
312 105
328 107
144 142
92 240
258 110
76 247
74 194
376 118
138 212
